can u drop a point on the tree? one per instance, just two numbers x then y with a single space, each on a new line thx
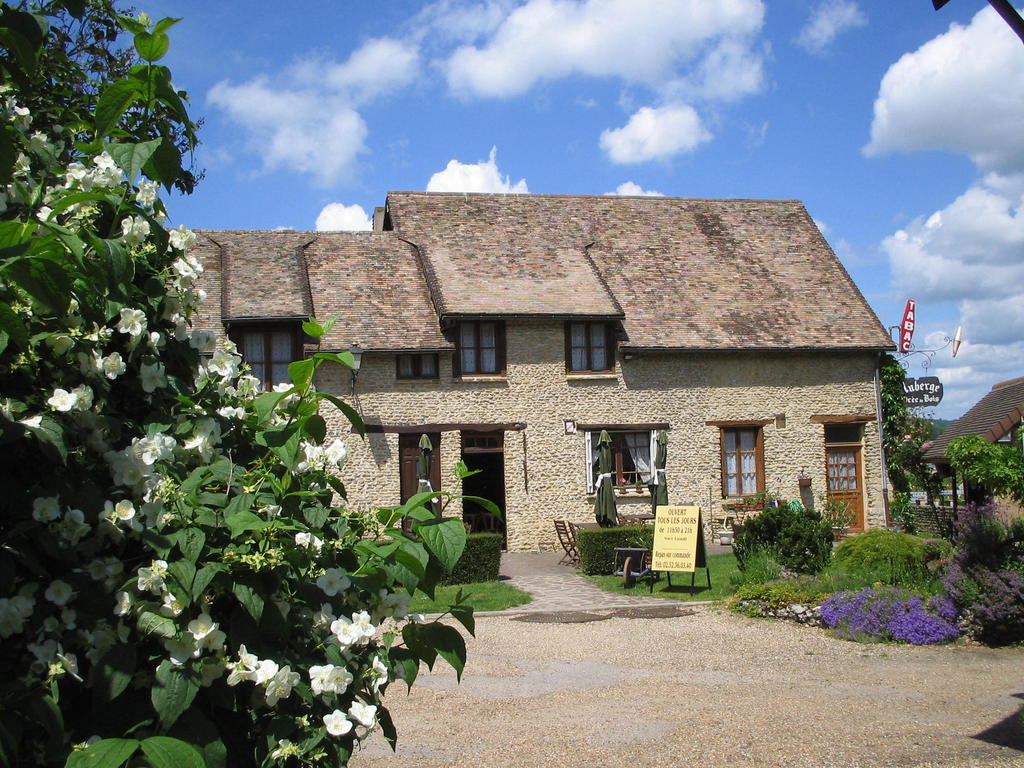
178 577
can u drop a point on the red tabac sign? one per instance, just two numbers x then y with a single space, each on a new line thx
907 326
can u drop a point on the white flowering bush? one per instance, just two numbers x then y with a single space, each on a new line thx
178 583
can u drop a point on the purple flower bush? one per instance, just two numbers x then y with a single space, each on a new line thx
985 577
888 613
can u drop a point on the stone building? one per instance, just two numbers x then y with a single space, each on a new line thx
512 328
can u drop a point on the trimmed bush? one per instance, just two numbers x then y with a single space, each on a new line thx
480 560
778 594
798 538
898 558
597 545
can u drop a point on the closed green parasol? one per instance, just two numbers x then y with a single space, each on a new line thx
604 503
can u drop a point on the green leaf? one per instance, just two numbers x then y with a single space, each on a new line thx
190 542
13 326
444 538
204 576
350 413
387 727
419 648
151 46
487 504
114 672
173 692
44 710
165 24
46 281
265 404
107 753
154 624
131 24
464 615
165 752
449 644
250 599
8 154
165 164
183 573
313 328
114 100
51 435
132 158
300 372
316 428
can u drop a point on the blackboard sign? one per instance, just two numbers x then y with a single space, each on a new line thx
922 392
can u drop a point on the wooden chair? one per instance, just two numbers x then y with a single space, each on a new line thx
567 538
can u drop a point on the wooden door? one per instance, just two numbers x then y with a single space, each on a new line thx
408 452
845 480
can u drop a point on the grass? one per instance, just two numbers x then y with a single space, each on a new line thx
724 572
482 596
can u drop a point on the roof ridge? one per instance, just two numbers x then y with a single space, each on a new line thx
596 196
1007 383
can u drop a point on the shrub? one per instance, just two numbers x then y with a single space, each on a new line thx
480 561
897 558
778 594
798 538
760 567
985 577
889 613
597 545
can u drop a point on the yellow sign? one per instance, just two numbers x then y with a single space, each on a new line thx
676 531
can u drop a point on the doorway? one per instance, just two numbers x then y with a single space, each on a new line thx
843 467
484 452
409 453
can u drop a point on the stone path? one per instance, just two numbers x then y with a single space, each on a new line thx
557 588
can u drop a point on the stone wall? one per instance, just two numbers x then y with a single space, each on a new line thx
546 469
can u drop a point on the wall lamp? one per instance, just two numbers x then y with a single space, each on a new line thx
357 362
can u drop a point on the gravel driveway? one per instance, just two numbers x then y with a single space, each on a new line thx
706 690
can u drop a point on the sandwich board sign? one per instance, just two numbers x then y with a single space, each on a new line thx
679 541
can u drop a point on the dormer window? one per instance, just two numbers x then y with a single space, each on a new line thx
589 347
480 348
268 349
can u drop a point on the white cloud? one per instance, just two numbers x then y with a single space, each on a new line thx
921 97
655 133
455 20
551 39
306 119
827 21
338 217
474 177
632 189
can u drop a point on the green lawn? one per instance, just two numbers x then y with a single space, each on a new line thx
483 596
723 568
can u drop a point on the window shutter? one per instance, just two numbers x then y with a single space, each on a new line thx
759 454
721 461
588 445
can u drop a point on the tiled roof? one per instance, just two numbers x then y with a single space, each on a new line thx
686 274
991 418
370 281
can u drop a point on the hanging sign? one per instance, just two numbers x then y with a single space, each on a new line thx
923 392
677 531
907 326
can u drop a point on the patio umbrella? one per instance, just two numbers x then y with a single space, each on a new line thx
423 464
604 502
659 484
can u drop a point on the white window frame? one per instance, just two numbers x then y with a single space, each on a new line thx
590 438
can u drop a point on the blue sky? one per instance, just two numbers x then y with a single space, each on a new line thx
898 126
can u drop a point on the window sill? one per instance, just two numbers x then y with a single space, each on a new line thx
404 382
592 376
496 377
624 494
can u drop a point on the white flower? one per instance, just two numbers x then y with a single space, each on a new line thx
105 172
336 453
362 621
151 579
38 142
146 195
46 509
379 672
11 619
281 684
73 527
329 679
181 649
78 174
231 412
324 617
149 450
182 238
337 724
59 592
62 400
224 364
333 581
202 626
364 714
132 322
83 397
244 668
172 606
308 541
284 749
352 631
205 438
43 214
396 604
202 341
33 422
112 365
134 229
122 603
152 376
265 671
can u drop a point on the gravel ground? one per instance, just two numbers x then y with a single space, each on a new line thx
706 690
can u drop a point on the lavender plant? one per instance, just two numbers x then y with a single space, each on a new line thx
888 613
179 583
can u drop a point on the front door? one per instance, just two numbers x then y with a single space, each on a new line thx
409 452
845 480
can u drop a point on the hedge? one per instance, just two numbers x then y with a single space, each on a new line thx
597 545
480 560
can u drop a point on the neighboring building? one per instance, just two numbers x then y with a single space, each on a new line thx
995 418
512 328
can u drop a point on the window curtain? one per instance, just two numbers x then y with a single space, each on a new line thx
578 346
598 348
639 446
